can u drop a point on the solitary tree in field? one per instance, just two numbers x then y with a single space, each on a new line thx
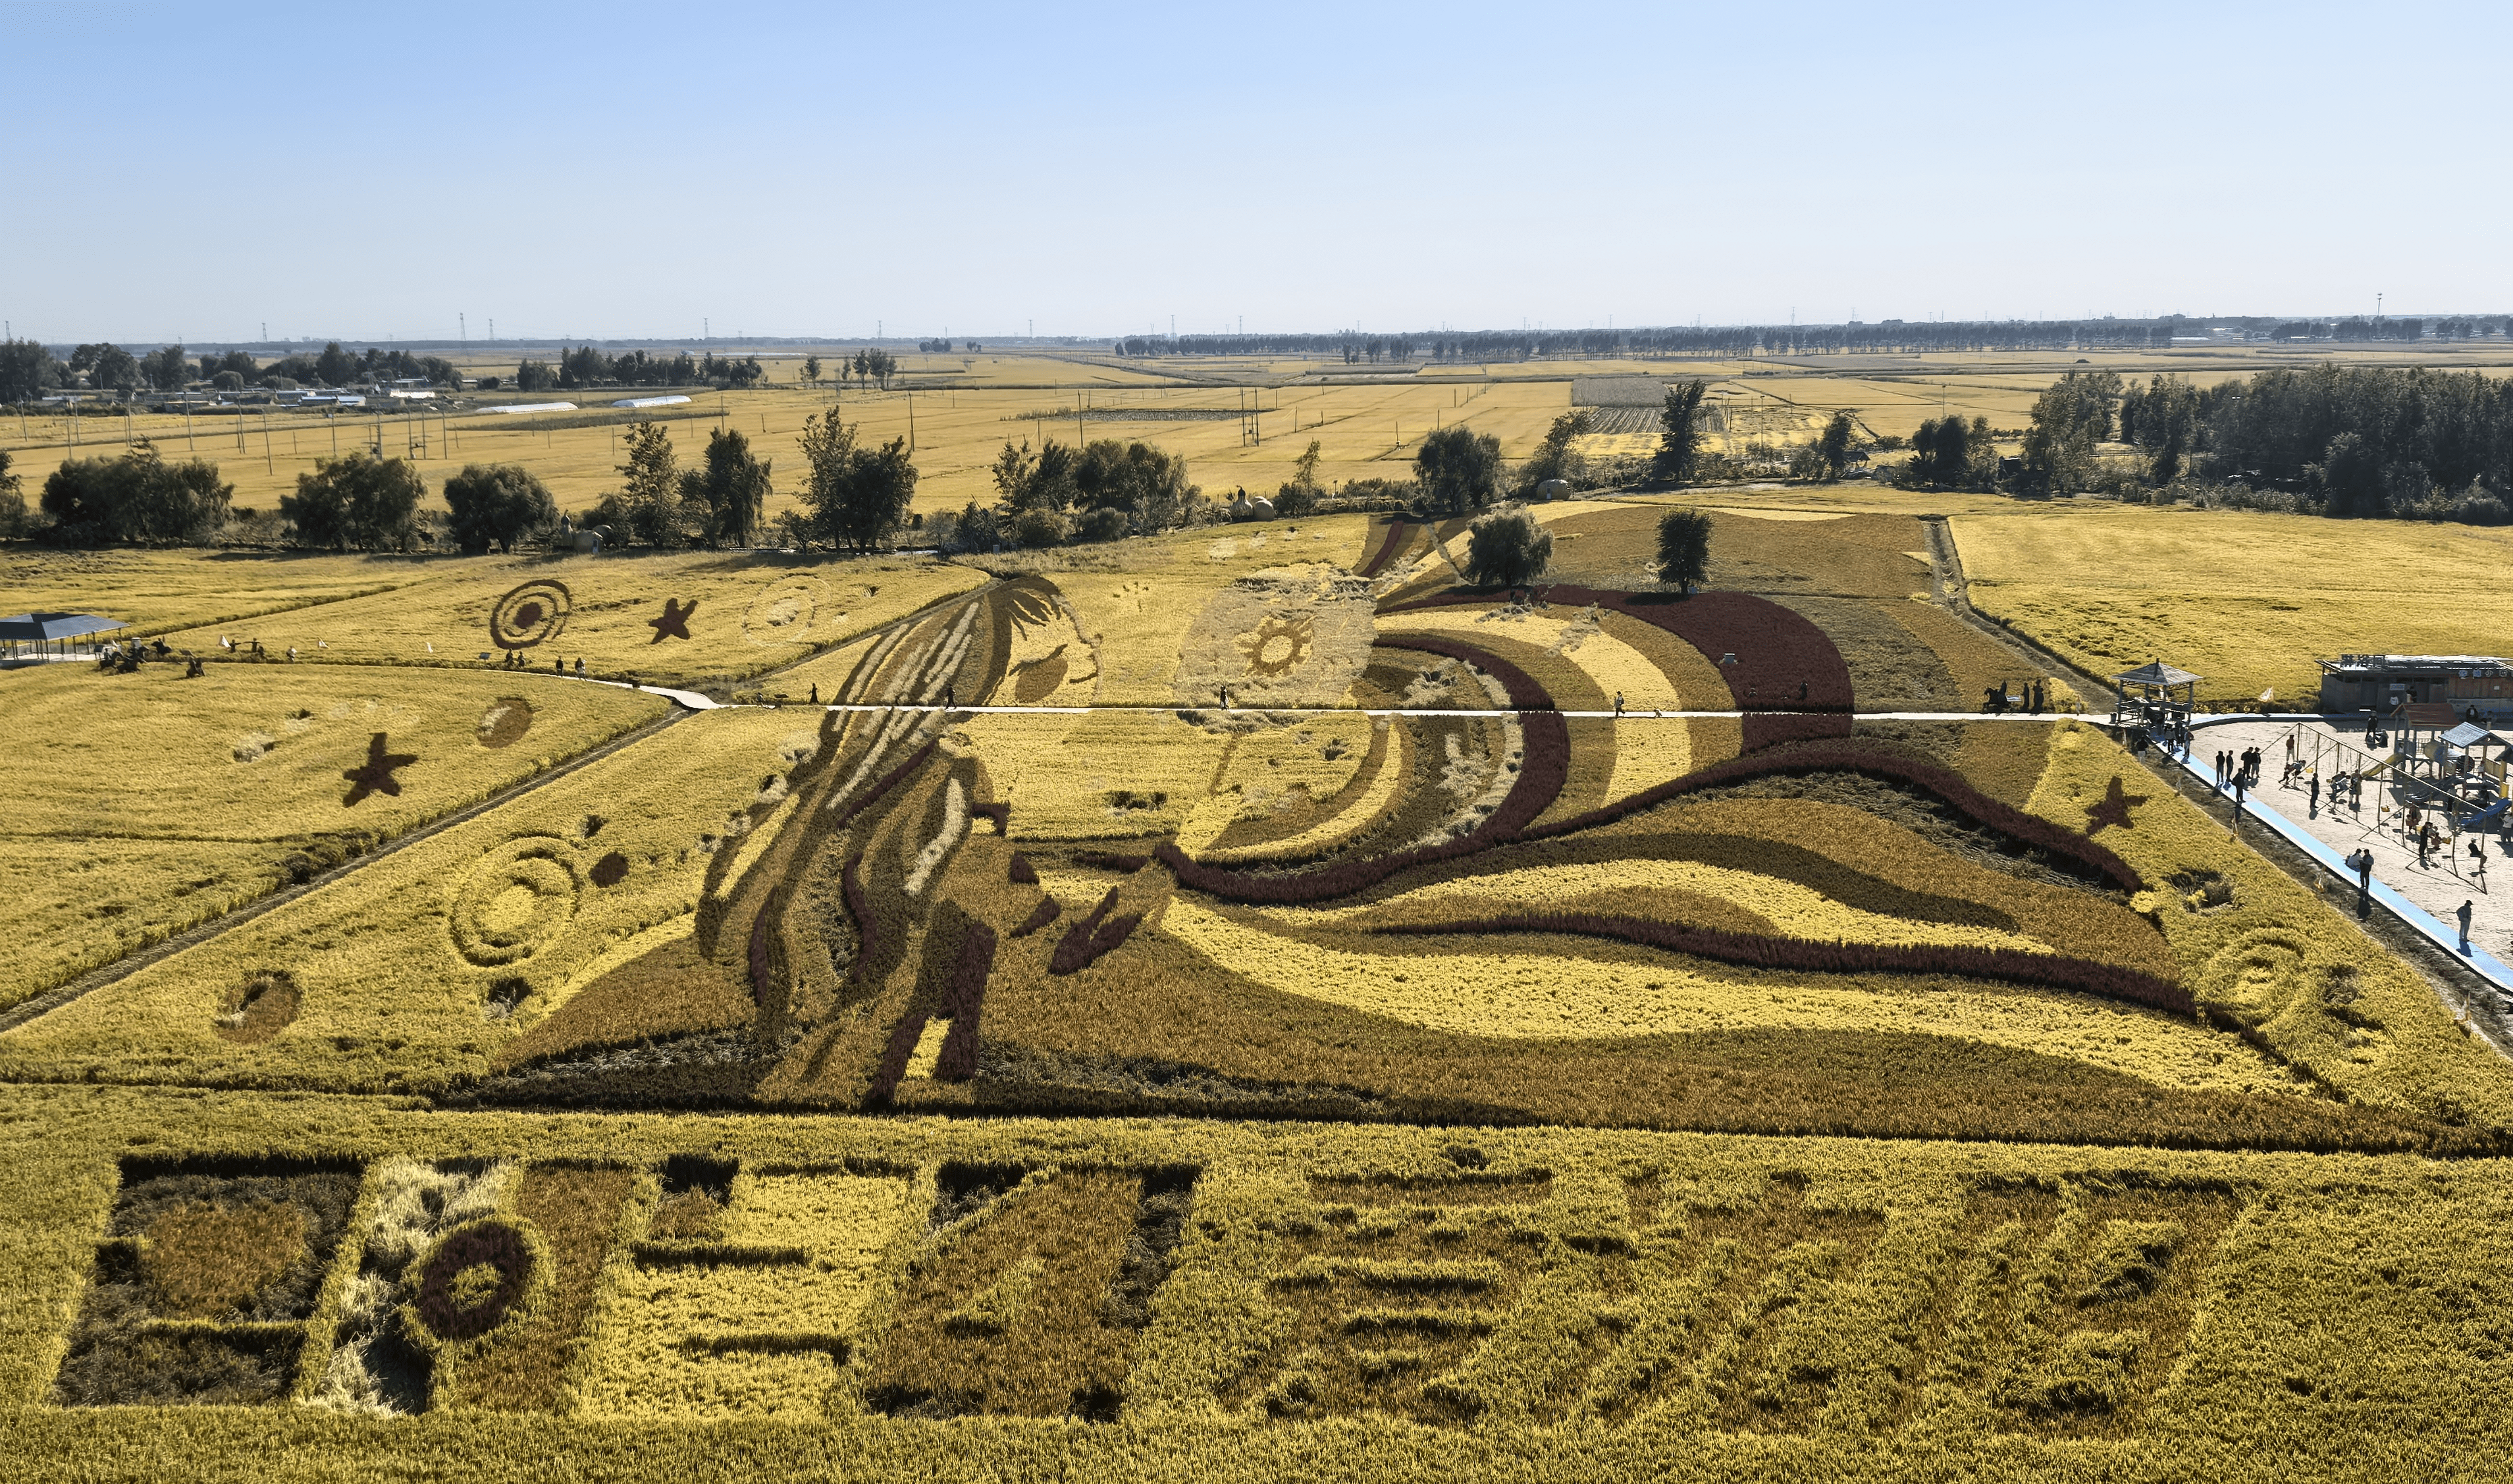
1459 470
1507 549
1684 548
1834 445
497 505
811 369
1679 443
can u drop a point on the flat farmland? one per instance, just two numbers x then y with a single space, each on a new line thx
1237 1003
2247 599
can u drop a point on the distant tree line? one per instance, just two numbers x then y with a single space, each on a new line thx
943 347
2329 440
1885 337
28 370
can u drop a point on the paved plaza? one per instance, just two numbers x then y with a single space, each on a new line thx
2379 824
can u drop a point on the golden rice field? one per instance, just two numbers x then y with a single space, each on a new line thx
2247 599
1573 1038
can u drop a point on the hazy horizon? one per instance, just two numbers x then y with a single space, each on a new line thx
634 172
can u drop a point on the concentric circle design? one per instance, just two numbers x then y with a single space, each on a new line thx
473 1280
788 611
516 899
2254 976
535 613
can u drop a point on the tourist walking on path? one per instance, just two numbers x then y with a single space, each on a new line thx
2363 861
1618 704
2464 916
2315 795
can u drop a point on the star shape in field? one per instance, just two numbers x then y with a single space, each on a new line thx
375 774
674 622
2113 810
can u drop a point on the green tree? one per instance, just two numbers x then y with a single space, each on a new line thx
497 505
13 499
858 496
2352 478
1300 494
137 497
27 371
335 365
166 368
356 502
1679 442
731 489
115 369
811 369
1013 471
2070 416
1459 470
1508 548
1834 445
1034 530
1684 548
1554 459
534 375
1147 484
650 485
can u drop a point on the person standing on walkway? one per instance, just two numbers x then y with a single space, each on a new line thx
2425 844
1619 706
2238 801
2315 796
2363 861
2464 916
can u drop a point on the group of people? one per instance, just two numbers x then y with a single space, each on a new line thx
515 660
2240 770
2036 699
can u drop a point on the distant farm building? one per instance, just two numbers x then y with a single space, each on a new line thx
2383 683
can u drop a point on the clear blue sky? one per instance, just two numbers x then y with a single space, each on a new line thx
623 170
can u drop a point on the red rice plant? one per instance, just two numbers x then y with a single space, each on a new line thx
1779 651
1397 536
859 907
893 1060
962 1000
1044 914
1849 758
1023 872
1111 860
1087 941
493 1242
1839 957
889 781
762 950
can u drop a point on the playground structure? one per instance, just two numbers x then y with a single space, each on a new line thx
2449 773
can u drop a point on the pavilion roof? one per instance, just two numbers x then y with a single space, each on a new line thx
2156 672
56 625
